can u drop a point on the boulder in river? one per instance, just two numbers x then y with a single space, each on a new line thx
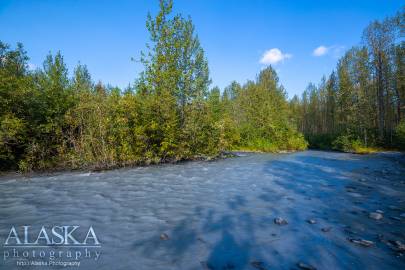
305 266
258 265
326 229
398 245
311 221
164 236
207 266
375 215
280 221
361 242
393 207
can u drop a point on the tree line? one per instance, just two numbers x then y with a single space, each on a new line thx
49 119
362 103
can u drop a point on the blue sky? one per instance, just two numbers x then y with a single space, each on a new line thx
240 37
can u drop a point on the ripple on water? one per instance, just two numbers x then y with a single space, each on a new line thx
221 213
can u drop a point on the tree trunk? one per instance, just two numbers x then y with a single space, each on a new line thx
380 98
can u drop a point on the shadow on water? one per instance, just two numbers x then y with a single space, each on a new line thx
303 187
225 240
220 215
226 251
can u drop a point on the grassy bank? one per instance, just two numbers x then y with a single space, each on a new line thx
347 144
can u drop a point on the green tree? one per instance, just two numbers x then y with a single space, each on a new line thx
175 61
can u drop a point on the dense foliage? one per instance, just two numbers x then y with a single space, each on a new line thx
51 120
362 103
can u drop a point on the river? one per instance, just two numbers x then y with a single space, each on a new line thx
220 214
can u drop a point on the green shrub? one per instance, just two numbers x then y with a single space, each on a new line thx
297 142
400 135
350 144
321 141
342 143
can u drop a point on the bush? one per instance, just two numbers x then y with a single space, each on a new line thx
321 141
400 135
347 143
297 142
343 143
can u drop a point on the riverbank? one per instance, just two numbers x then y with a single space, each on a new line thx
96 167
236 152
101 167
362 150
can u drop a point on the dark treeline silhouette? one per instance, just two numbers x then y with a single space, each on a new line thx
362 103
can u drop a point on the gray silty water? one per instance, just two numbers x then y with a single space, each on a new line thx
219 215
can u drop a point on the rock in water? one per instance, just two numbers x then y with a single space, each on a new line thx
207 266
201 240
362 242
393 207
398 245
379 211
326 229
258 265
375 215
280 221
311 221
305 266
164 236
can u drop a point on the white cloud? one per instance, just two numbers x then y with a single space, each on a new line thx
334 50
321 50
273 56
